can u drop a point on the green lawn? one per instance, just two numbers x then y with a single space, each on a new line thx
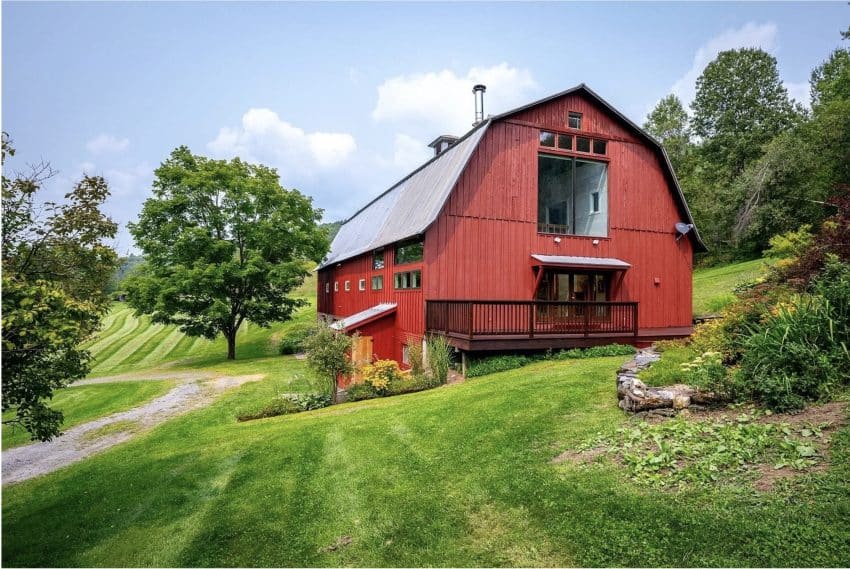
713 287
86 402
459 475
129 344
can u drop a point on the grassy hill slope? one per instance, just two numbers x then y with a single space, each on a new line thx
127 344
459 476
713 286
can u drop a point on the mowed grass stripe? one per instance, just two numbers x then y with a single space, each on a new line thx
151 346
165 347
111 324
128 348
109 344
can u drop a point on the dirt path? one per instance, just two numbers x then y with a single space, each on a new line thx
81 441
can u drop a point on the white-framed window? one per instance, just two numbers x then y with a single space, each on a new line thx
347 286
574 120
378 282
361 284
336 286
405 354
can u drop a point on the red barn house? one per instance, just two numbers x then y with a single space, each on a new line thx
554 225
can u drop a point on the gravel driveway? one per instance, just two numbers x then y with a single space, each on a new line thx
81 441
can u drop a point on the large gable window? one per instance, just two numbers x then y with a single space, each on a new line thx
572 196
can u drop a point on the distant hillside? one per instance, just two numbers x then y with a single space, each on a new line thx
332 227
713 287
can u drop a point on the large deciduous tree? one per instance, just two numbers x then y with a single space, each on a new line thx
223 243
55 271
668 123
740 105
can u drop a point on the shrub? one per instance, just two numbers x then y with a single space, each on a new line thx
707 372
382 375
328 355
594 352
439 358
485 366
411 384
308 401
361 391
278 406
293 340
415 357
797 355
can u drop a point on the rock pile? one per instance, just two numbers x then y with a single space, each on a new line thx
636 397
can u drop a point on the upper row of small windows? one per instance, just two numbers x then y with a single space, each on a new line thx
565 142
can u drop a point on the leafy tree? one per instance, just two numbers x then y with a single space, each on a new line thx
329 355
332 227
740 105
55 272
668 122
831 79
223 243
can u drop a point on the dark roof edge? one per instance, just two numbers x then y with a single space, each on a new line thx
582 87
408 176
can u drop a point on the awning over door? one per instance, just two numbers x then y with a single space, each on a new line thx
572 262
363 317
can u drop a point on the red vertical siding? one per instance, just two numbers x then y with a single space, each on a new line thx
479 247
409 320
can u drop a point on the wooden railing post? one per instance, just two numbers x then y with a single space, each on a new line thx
586 321
469 307
531 308
635 317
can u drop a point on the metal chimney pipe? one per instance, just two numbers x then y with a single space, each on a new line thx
478 93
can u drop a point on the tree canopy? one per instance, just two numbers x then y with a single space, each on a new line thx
223 243
55 271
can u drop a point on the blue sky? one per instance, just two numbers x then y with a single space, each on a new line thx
343 98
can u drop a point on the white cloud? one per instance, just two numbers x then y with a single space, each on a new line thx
800 92
264 137
409 152
444 99
106 143
750 35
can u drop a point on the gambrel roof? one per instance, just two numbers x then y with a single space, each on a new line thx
410 206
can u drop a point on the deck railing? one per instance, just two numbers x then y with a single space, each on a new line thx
529 318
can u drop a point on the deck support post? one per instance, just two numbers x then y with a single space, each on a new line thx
463 363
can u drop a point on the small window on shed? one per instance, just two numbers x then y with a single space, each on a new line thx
361 284
547 139
347 286
565 142
600 147
575 120
336 286
582 144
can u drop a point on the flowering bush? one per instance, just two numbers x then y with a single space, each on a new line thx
381 375
708 372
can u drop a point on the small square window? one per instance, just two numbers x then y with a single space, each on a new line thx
347 286
575 120
582 144
565 142
377 283
361 284
600 146
336 286
595 199
327 287
547 139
